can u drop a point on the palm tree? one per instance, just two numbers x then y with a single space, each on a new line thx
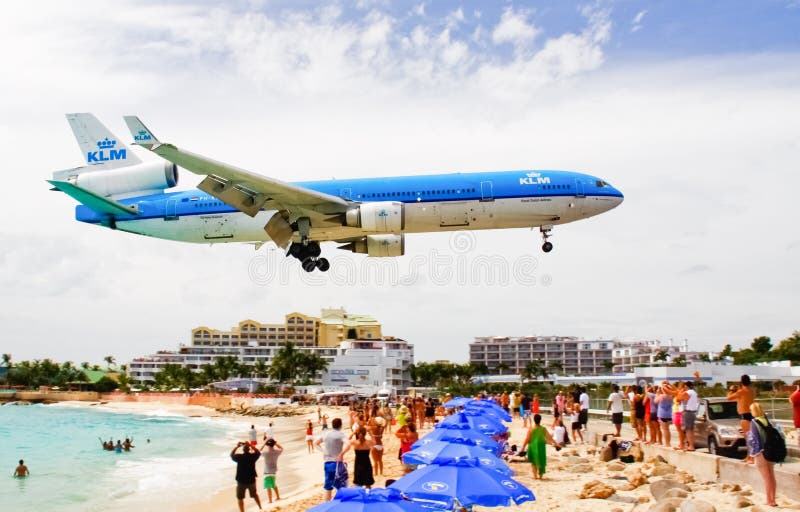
501 367
110 361
308 365
533 370
85 365
554 367
6 360
261 369
284 364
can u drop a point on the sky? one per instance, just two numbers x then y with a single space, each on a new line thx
691 109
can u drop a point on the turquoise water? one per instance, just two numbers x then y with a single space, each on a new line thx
185 461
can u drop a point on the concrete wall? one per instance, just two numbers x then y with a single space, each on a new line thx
58 396
737 472
703 466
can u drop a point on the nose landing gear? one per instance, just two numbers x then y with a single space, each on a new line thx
546 233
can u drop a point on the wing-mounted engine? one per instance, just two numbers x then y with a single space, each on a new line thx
378 246
379 217
140 179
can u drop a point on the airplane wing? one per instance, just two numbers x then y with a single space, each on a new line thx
244 190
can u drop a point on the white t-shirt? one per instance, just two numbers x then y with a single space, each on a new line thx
559 434
573 417
252 435
332 444
692 403
616 402
270 433
584 400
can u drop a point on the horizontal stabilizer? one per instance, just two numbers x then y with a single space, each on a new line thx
95 202
142 136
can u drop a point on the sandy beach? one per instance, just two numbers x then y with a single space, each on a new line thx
568 471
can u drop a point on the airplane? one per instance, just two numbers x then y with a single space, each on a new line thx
366 215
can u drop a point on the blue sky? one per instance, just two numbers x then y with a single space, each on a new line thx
688 107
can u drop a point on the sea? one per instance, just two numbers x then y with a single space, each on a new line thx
177 461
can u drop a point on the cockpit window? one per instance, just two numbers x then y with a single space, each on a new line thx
601 184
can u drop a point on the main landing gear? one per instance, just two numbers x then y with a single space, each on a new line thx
546 233
308 254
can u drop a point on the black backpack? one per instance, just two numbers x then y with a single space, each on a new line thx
774 443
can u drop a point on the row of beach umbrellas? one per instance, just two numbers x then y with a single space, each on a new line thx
459 467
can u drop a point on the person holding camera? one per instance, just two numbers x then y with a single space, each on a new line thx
246 472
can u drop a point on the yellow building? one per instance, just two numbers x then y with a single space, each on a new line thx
334 326
337 325
297 328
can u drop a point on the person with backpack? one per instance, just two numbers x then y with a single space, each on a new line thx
767 446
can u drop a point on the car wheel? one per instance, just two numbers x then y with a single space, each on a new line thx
713 449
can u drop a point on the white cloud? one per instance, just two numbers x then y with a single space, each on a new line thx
419 10
703 149
636 23
514 28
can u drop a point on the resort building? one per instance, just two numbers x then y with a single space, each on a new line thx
570 354
353 345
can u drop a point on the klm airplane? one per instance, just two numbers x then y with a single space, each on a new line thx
369 216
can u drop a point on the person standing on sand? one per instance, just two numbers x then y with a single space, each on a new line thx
252 436
794 399
270 453
756 441
690 415
245 473
516 403
664 411
408 436
310 436
269 433
583 417
377 425
22 470
362 467
744 396
615 407
536 446
333 444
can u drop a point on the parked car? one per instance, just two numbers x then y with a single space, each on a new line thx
718 427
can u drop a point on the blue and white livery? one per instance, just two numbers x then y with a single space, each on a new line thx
367 215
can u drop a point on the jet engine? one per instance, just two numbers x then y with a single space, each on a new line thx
380 217
147 176
378 246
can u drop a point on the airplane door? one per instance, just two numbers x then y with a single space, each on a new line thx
171 210
346 193
580 191
487 194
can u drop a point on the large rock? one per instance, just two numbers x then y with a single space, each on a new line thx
574 459
660 487
697 506
597 490
676 493
580 468
616 465
743 503
636 478
667 505
662 469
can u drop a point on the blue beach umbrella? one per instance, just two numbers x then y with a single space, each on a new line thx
488 404
437 452
358 499
458 401
476 421
498 414
463 480
460 434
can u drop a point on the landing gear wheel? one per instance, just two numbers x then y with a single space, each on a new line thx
295 250
547 247
309 264
546 230
313 249
323 264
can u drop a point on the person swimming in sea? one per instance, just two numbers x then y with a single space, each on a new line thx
22 470
118 446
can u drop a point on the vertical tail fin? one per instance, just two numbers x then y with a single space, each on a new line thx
98 144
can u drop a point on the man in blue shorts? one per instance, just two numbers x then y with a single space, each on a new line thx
333 442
